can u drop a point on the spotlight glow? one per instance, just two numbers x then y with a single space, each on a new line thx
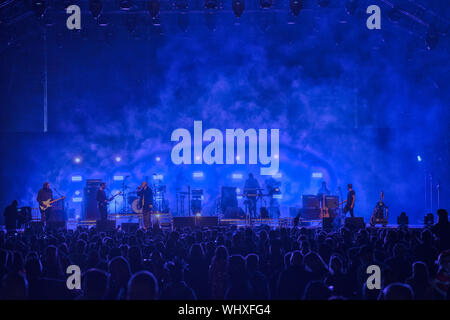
197 174
76 178
118 159
419 158
77 160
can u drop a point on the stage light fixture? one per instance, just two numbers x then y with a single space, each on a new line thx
39 7
394 14
153 8
118 178
323 3
317 175
181 4
76 178
158 159
351 6
265 4
432 38
197 174
96 7
237 176
118 159
77 159
158 177
296 6
211 4
102 21
183 21
125 5
77 199
238 7
210 19
419 158
77 193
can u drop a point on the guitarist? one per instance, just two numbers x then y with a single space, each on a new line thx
102 202
350 202
43 195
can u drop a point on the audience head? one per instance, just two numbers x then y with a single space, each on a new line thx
397 291
143 286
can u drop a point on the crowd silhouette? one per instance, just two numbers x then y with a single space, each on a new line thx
228 263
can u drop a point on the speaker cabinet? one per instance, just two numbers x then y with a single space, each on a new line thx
355 223
130 226
56 225
106 225
183 222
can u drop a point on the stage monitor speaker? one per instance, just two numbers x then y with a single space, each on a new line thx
329 224
36 226
106 225
332 202
182 222
130 227
355 223
234 213
207 221
310 213
310 201
56 225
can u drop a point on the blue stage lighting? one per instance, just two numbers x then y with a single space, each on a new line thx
76 178
77 193
77 159
317 175
118 159
198 214
158 177
197 174
158 159
419 158
237 176
77 199
118 178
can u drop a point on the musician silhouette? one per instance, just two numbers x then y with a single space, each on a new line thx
251 191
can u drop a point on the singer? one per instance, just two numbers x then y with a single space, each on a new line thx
145 194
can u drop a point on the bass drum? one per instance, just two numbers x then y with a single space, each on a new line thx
136 206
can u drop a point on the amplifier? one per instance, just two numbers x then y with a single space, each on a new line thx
130 227
182 222
310 201
56 225
106 225
332 202
355 223
310 214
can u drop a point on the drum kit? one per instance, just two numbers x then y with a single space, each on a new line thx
132 202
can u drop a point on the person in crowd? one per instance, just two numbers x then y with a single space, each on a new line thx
191 263
143 286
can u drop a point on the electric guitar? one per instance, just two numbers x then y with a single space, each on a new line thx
324 209
110 199
44 205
